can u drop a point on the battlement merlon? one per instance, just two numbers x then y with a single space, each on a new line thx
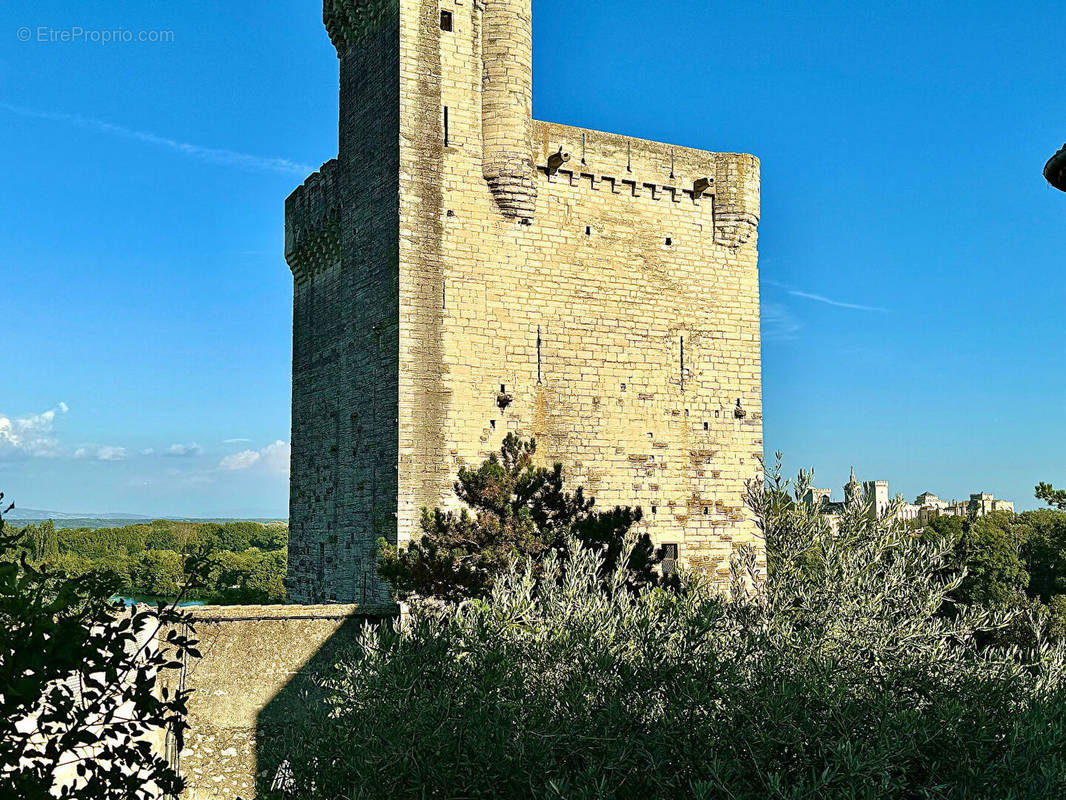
312 222
729 181
350 21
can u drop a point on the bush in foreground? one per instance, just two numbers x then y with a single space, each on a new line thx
80 696
841 676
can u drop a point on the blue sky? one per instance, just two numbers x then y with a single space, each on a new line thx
911 253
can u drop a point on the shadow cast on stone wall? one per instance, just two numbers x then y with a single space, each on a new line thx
254 690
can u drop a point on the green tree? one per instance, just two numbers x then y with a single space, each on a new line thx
1051 495
995 574
80 686
251 577
1044 552
948 529
158 573
44 543
520 511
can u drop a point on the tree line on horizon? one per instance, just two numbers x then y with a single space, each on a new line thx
243 562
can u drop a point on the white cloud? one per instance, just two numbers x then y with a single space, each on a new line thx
274 458
182 450
211 155
108 453
30 436
148 451
241 460
236 441
101 453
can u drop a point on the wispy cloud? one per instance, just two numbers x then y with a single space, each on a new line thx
778 324
211 155
30 436
818 298
101 453
184 450
236 441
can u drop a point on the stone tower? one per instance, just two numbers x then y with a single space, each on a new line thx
462 271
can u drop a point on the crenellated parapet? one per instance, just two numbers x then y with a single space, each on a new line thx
725 186
313 223
350 21
507 106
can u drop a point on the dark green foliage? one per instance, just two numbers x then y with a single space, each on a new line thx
1051 495
836 677
79 682
251 577
160 573
1011 560
1044 551
995 574
520 511
44 543
948 529
246 559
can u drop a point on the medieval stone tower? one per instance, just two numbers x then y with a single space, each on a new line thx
462 271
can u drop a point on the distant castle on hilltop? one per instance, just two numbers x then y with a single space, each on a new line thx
926 505
462 271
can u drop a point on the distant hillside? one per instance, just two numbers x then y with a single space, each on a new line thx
36 513
62 519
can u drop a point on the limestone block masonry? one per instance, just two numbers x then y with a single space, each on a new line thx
457 251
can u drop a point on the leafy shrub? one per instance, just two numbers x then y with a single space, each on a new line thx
838 676
79 699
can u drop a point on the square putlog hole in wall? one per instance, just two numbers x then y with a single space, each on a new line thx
446 21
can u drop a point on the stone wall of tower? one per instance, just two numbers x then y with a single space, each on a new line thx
341 242
457 279
621 315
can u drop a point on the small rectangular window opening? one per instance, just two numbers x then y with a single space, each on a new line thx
654 509
447 136
492 424
706 426
588 230
669 241
623 387
446 21
669 559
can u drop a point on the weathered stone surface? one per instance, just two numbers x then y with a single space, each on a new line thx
444 261
252 690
